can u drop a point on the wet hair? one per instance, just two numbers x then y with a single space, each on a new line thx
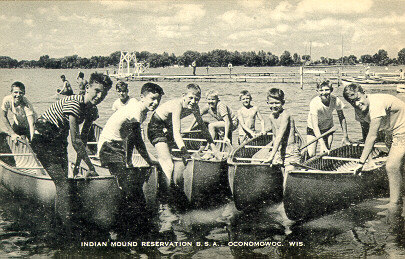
100 79
80 75
277 94
243 93
325 83
213 93
352 88
194 87
121 86
151 88
62 76
19 85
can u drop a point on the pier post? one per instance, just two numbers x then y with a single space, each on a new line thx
302 77
339 77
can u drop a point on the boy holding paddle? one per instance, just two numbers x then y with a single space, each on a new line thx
320 118
382 112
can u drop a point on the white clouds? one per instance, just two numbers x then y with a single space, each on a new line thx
334 6
29 22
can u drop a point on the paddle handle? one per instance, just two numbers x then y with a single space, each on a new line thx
332 130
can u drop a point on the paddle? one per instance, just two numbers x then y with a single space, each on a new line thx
263 153
331 131
303 166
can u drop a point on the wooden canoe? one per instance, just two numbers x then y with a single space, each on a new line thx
253 183
373 80
202 181
331 185
24 176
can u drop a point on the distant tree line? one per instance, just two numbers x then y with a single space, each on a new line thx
214 58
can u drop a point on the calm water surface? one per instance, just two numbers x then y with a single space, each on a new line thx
362 230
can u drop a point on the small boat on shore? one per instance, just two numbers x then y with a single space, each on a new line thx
373 80
203 180
253 183
327 183
401 88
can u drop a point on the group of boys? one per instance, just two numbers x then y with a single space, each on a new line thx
122 131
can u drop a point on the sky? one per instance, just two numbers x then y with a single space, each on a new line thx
31 29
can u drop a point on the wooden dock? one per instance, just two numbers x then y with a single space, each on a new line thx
302 76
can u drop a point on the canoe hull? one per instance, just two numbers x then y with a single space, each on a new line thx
313 193
255 186
202 181
96 200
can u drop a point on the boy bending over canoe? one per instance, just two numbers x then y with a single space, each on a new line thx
125 125
22 110
385 112
53 128
226 120
164 128
320 118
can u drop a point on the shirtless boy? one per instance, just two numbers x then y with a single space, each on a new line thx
247 117
164 128
285 148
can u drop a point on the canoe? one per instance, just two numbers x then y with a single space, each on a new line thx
331 185
254 184
401 88
23 175
202 181
142 171
373 80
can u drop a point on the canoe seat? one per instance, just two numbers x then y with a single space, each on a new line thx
25 159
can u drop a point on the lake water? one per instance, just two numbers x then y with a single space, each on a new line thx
362 230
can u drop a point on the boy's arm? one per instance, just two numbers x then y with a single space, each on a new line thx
194 121
370 140
78 144
7 126
227 126
343 124
280 136
260 116
135 139
365 126
176 119
31 120
317 132
199 120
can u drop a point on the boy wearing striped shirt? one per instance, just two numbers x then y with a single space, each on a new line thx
53 127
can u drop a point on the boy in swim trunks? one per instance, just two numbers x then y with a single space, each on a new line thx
385 112
81 82
22 110
125 124
247 117
164 128
226 122
66 88
320 118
